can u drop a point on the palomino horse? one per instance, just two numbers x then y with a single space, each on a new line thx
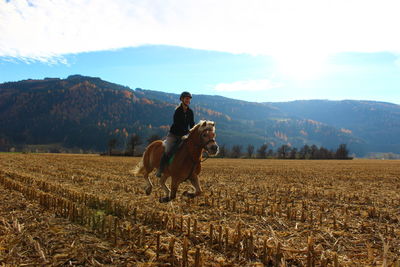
186 164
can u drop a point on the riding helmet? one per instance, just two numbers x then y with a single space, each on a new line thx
185 94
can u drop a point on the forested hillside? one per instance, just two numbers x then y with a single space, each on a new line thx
86 113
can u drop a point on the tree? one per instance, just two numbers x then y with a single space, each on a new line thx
236 151
250 151
342 152
283 151
112 143
293 153
222 151
305 152
262 151
134 140
325 153
314 152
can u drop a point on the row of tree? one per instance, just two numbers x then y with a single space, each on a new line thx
134 141
282 152
285 152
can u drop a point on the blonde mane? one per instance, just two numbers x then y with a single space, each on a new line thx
203 125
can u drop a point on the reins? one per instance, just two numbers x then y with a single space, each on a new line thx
206 158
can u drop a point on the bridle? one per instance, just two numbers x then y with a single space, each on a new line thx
204 145
206 157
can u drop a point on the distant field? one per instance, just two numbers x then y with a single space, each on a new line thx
58 209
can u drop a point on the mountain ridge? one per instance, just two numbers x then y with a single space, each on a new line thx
85 112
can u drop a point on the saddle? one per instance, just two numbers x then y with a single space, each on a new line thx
177 146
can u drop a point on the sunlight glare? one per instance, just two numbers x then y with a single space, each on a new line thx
301 65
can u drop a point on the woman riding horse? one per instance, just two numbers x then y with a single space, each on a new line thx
183 121
186 164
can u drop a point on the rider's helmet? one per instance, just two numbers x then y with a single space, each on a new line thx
185 94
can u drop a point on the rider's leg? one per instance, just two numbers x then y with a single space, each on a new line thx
163 163
169 144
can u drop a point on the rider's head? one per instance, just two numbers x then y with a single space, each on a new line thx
185 98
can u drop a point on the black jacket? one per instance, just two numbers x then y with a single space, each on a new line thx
183 121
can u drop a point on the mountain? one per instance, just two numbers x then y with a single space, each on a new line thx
377 123
86 112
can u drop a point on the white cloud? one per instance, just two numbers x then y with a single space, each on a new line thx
251 85
46 29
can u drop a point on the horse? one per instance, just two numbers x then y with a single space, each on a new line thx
186 164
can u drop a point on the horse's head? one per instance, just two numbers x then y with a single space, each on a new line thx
206 129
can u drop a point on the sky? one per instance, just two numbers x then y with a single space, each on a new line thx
254 50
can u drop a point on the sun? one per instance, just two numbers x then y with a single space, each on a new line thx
300 65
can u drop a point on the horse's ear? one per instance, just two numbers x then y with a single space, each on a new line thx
204 124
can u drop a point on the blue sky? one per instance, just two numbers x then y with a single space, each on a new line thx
264 51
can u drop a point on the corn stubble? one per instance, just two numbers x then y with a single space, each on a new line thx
252 213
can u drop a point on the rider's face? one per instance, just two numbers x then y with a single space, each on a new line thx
186 100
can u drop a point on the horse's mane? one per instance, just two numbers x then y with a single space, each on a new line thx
203 125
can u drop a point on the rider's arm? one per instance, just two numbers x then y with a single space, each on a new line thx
191 120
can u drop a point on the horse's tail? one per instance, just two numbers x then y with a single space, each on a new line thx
139 168
146 164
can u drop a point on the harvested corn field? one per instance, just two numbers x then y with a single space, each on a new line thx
89 210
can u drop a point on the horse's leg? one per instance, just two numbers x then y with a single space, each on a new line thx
149 185
194 180
172 194
163 179
174 188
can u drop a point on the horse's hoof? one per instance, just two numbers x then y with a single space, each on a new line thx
164 199
189 195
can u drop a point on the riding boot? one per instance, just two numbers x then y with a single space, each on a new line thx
163 163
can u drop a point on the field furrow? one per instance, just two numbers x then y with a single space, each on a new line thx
252 212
